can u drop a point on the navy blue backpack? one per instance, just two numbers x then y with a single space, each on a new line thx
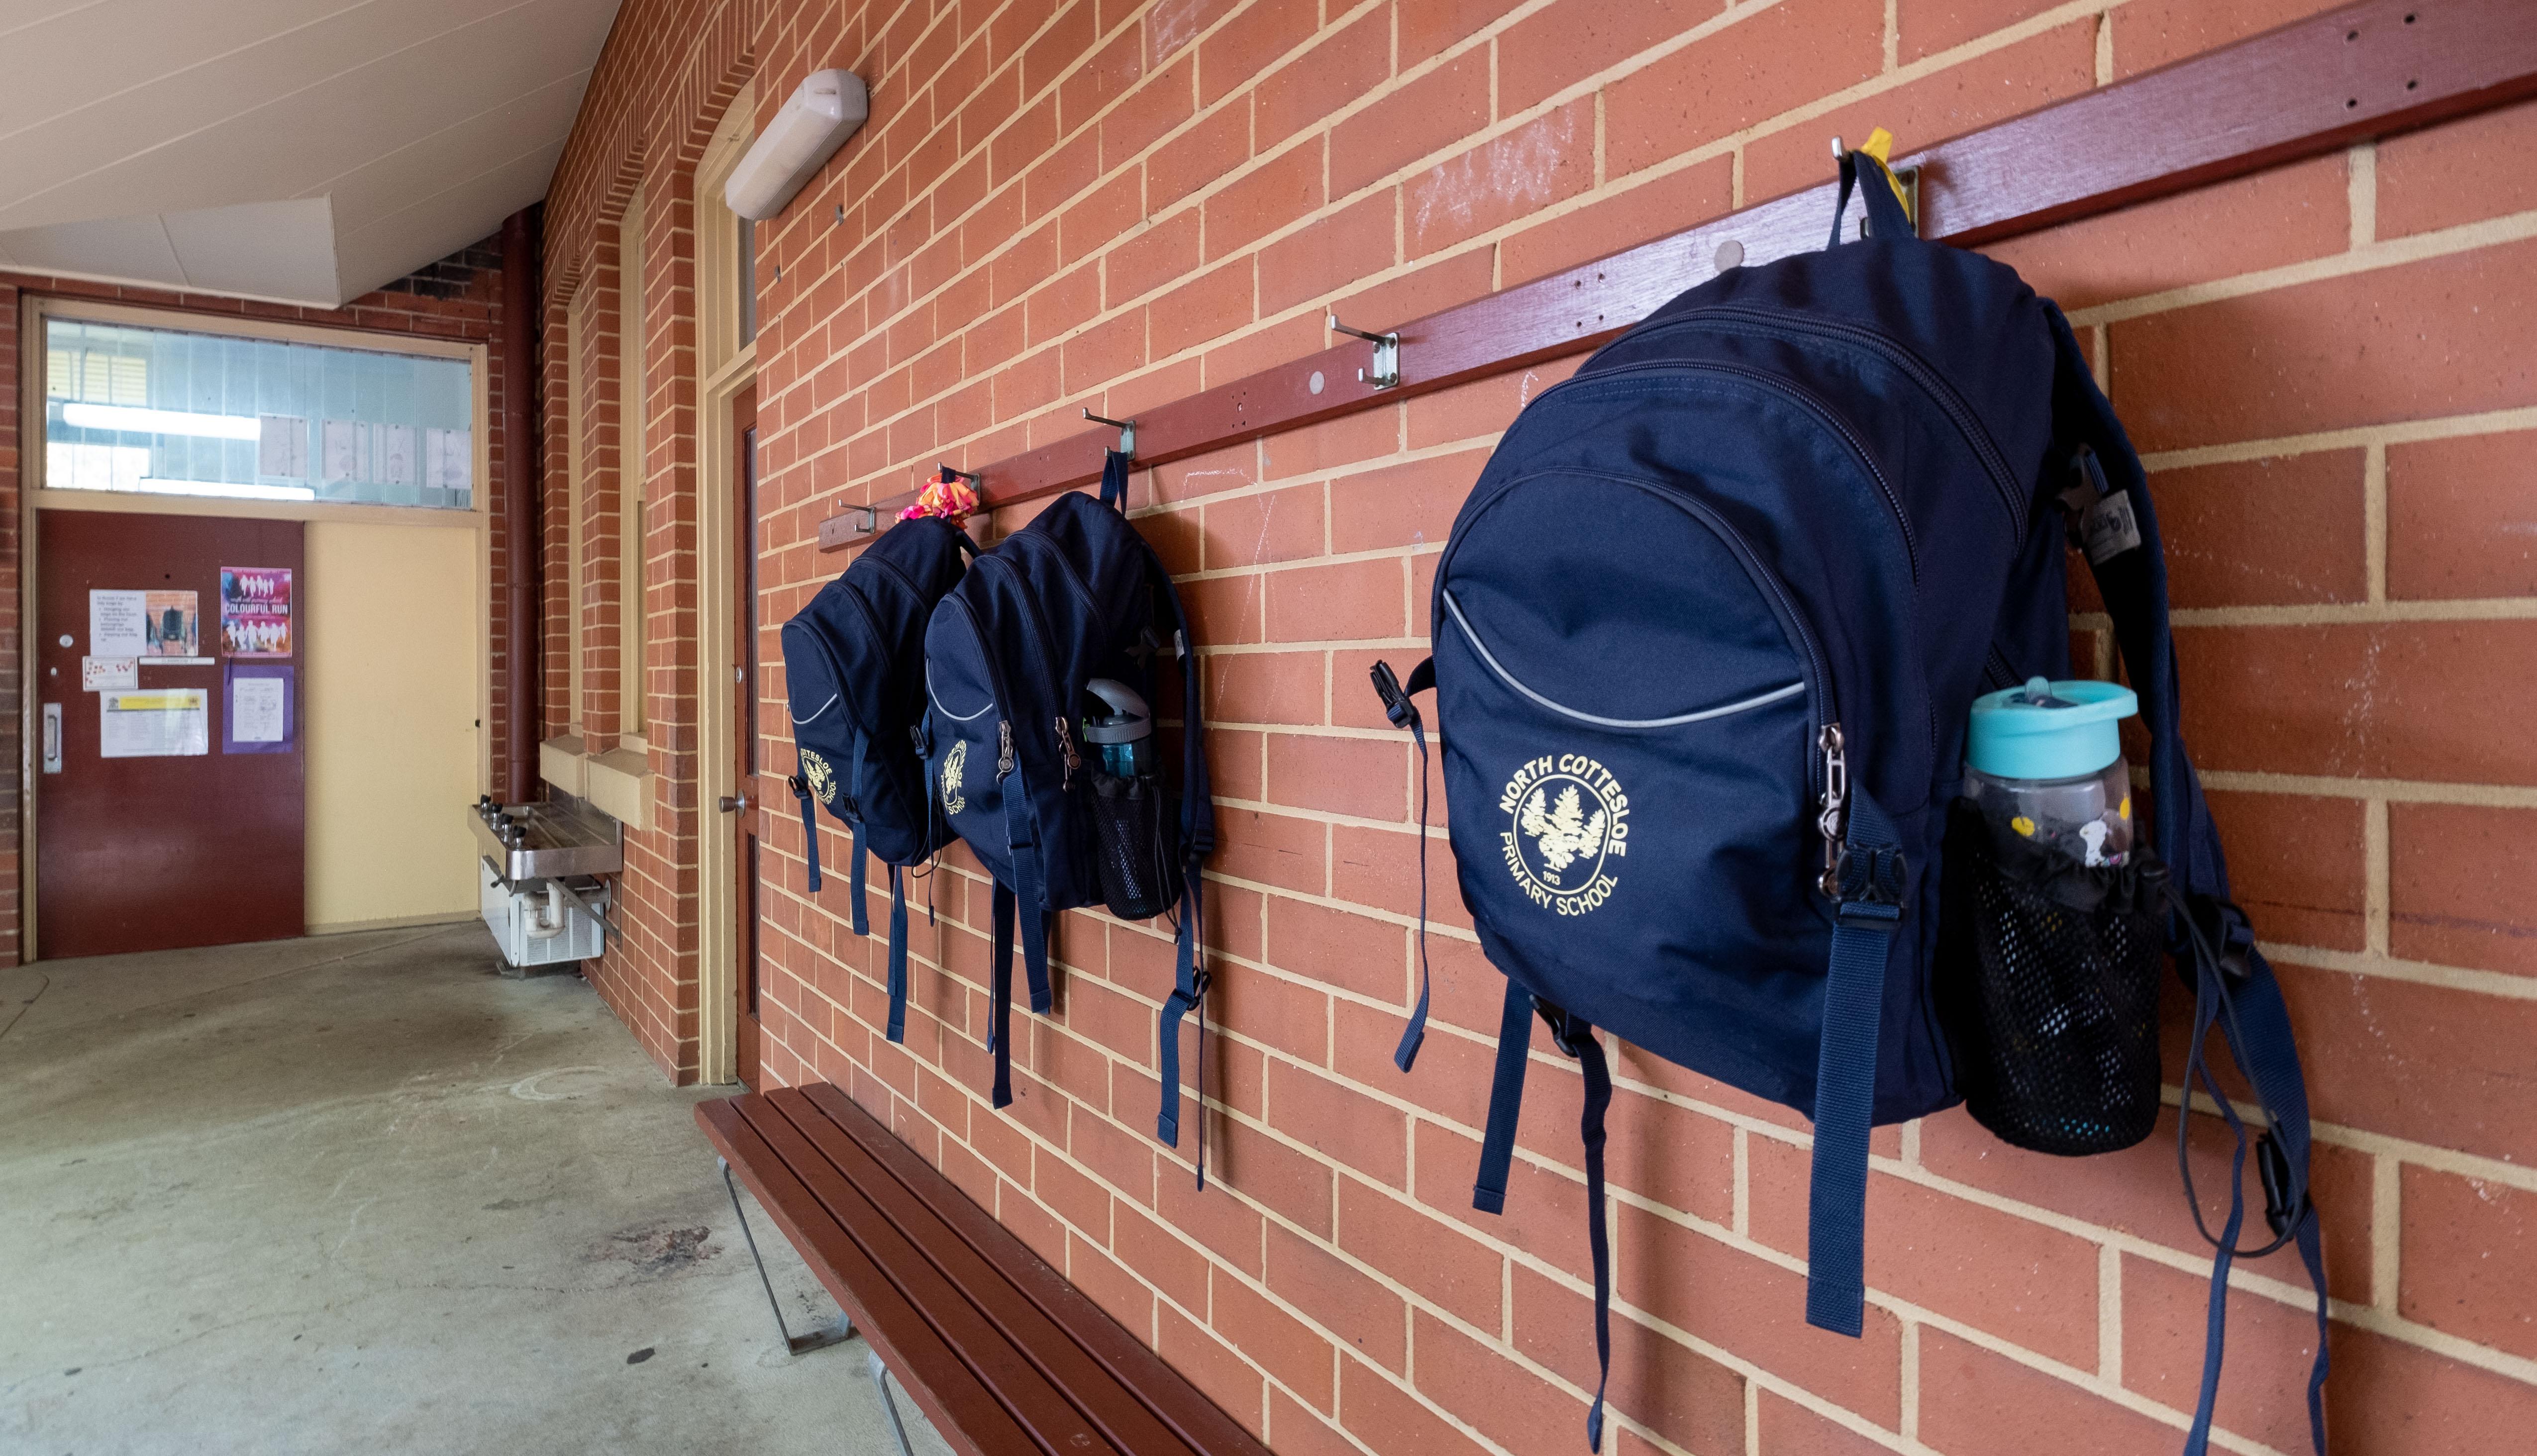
1072 598
854 687
1705 637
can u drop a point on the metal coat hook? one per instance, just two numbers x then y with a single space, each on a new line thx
1386 354
950 474
1908 177
1127 429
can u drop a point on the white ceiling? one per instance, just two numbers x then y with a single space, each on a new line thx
300 150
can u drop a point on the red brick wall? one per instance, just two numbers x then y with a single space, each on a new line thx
458 297
1112 204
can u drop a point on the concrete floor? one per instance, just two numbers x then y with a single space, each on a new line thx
359 1193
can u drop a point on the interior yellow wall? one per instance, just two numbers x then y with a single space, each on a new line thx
393 698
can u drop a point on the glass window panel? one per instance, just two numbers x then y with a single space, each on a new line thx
175 412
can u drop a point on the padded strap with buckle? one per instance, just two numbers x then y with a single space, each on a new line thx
1000 997
897 1030
1190 975
1872 878
1029 881
1403 713
2215 947
801 788
855 883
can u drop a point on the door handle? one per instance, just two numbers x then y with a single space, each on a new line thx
731 804
52 737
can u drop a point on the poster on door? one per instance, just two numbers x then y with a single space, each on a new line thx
255 612
146 624
166 724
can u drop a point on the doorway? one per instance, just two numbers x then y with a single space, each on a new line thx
741 804
163 820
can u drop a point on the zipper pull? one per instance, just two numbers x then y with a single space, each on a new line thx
1005 748
1066 747
1833 822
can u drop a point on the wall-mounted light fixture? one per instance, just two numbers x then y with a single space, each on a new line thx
826 109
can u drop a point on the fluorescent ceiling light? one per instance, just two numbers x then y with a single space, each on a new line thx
152 485
823 111
163 422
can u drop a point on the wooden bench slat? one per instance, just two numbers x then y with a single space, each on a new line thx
942 1383
1165 1391
1035 1401
1093 1387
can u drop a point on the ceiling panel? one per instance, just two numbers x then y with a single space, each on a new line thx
378 108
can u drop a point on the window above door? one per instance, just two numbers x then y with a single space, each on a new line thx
140 409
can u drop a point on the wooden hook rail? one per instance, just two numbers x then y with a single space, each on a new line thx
2364 70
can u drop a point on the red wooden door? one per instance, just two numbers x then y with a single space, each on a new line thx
160 851
742 805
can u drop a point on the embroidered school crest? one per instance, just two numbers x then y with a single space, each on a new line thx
1567 822
817 774
953 762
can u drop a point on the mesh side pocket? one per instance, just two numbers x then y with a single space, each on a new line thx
1133 825
2047 982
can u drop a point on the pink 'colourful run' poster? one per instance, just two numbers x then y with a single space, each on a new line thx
255 612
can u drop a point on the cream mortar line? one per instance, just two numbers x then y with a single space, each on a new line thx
2394 432
1929 65
1409 551
2129 1399
1328 730
2359 614
2413 248
2109 1314
2387 1239
2160 1254
2241 1278
2374 512
1511 1254
1198 117
2474 1166
2419 972
2296 1295
1327 475
2393 791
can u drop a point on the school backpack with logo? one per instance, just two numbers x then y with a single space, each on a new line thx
1034 666
1707 633
854 687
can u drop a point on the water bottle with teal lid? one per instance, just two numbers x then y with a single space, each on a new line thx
2045 762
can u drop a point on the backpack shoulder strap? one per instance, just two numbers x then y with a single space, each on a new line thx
1190 977
1403 713
2233 987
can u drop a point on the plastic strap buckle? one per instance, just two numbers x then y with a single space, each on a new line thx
1571 1033
2231 935
1395 702
1871 881
2273 1169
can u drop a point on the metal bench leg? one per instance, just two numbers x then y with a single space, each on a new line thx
880 1377
835 1334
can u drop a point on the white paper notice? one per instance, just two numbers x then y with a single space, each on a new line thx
255 709
166 722
102 672
117 624
281 446
395 454
340 444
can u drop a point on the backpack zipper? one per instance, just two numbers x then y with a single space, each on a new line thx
1834 822
1935 385
1822 699
1805 399
1065 568
1047 667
